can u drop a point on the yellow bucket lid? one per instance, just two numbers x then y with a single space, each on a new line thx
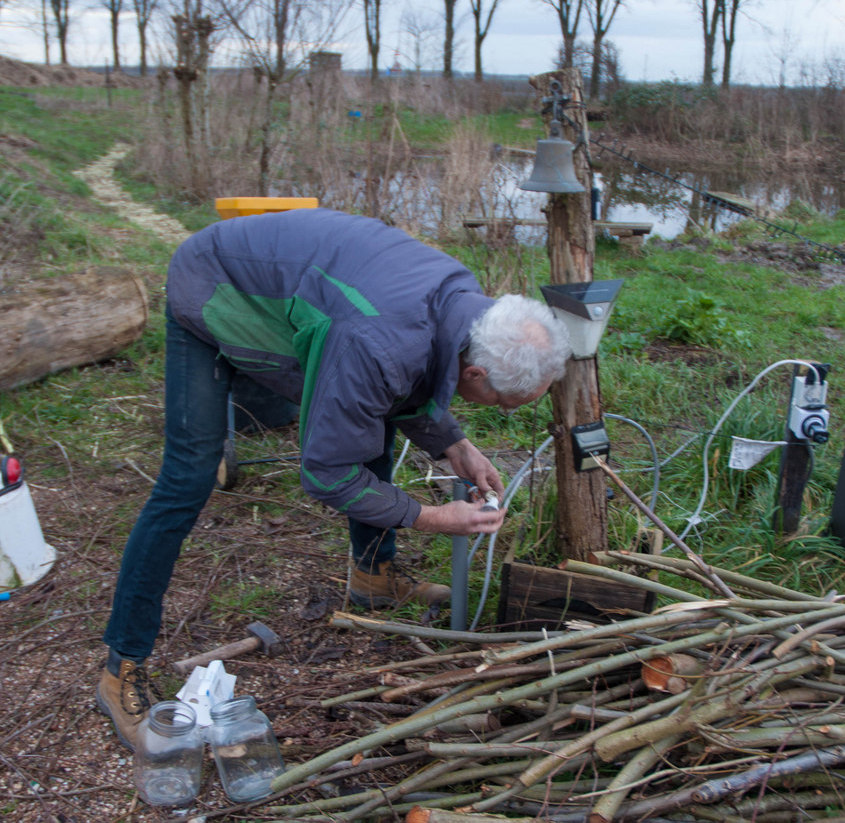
242 206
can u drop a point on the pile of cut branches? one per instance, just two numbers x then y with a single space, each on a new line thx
708 709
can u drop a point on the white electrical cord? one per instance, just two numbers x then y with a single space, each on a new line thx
510 491
655 486
694 518
398 463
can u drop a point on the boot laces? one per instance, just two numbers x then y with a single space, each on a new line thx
137 692
398 574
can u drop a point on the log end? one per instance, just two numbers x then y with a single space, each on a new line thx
670 674
418 815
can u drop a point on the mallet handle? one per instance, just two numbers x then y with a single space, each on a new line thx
227 652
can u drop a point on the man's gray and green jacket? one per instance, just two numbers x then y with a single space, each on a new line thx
357 322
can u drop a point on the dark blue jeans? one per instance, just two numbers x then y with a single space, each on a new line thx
197 386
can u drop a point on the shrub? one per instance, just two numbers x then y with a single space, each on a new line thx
699 319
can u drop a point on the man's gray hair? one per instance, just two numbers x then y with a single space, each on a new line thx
520 344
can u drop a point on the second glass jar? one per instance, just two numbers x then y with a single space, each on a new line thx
245 749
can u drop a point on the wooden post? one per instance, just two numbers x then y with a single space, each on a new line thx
581 518
837 518
795 469
792 481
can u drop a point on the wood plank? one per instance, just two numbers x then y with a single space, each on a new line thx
734 200
618 229
637 229
743 205
517 151
482 222
532 596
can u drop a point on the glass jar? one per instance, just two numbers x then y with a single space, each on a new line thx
245 749
168 755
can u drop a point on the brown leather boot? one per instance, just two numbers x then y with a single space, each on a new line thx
391 585
126 699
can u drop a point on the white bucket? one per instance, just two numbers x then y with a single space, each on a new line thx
24 556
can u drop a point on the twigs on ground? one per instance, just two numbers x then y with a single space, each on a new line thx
567 727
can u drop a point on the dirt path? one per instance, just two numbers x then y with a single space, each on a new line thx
99 176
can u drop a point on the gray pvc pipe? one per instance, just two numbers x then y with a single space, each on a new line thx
460 569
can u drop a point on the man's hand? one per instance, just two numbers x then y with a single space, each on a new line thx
468 462
459 517
462 517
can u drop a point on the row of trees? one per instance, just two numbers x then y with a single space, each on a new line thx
52 19
718 22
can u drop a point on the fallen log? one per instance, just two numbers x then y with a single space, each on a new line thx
51 324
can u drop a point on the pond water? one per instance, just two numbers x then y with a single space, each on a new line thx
627 195
672 208
428 198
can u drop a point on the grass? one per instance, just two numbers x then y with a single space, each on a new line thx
732 318
67 127
247 597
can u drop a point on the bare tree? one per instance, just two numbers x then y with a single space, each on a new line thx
114 8
193 29
45 31
582 61
601 14
710 17
144 10
420 30
33 16
784 47
569 16
61 17
268 55
730 12
295 27
372 23
449 38
481 31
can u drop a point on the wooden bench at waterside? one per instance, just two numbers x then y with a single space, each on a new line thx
503 227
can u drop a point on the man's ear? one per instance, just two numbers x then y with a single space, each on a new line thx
473 374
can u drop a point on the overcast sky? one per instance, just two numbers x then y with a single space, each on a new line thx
655 39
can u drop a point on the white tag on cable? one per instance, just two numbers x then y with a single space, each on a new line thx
747 453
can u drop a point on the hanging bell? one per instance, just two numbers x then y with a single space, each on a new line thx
554 170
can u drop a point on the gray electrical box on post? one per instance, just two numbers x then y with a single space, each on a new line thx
837 520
